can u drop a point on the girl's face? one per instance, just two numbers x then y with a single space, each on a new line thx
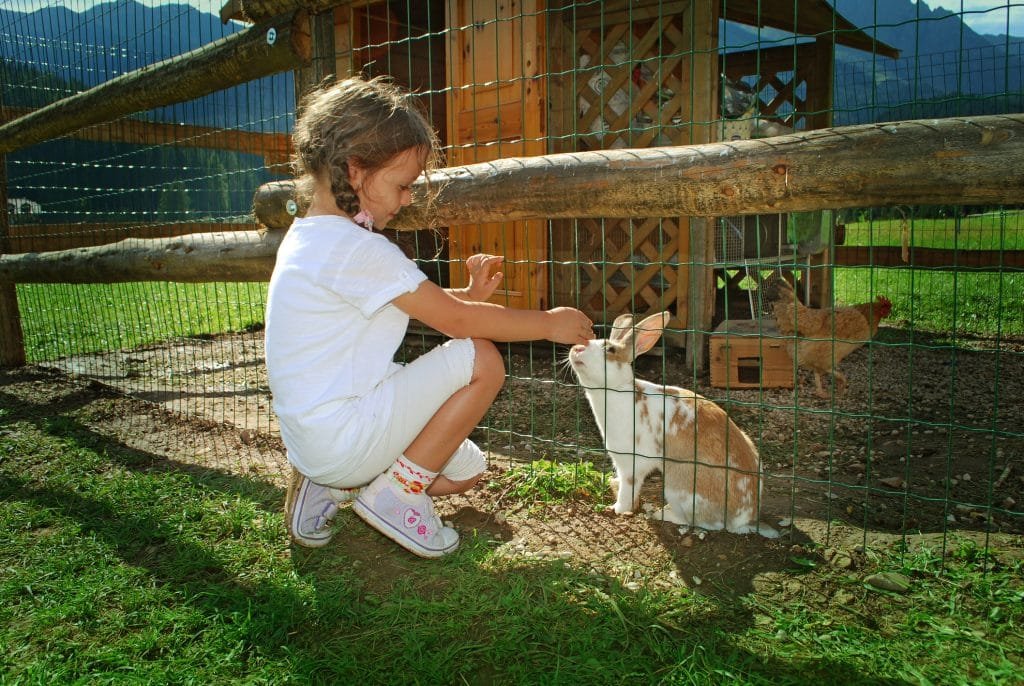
384 192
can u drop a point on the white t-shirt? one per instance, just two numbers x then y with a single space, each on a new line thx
331 335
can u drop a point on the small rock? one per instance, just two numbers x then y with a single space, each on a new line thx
1009 502
889 581
843 598
838 558
966 477
894 482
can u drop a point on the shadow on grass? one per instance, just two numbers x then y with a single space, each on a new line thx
381 615
534 621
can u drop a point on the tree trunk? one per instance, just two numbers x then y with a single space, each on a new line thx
970 160
196 258
280 44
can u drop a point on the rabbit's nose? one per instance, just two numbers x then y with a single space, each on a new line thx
578 348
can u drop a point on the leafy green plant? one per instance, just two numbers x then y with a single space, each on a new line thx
548 481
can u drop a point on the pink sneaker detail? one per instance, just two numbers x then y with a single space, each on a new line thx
408 519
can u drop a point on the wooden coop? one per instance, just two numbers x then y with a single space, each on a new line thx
517 78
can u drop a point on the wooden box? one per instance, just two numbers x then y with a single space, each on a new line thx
746 353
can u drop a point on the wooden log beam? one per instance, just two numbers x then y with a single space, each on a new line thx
51 237
196 258
279 44
258 10
964 160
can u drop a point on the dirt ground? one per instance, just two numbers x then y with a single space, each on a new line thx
926 446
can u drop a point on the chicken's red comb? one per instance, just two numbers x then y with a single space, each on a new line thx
885 305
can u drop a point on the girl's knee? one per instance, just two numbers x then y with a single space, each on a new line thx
488 364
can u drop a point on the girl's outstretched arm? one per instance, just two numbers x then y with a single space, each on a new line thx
457 318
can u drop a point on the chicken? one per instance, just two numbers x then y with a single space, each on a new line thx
824 337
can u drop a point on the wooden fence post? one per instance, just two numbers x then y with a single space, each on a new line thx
12 339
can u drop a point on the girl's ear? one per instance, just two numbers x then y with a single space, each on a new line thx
356 175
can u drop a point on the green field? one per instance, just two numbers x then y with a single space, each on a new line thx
964 302
61 320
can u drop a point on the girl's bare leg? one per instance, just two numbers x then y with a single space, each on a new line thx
457 418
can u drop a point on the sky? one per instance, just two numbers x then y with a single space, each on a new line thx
984 16
987 16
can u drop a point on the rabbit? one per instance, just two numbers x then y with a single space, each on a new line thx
646 427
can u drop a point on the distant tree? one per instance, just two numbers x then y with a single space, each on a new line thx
174 202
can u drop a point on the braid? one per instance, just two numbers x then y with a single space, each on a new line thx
344 195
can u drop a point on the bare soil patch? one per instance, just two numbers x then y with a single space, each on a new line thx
925 446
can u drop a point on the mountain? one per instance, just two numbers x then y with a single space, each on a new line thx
111 39
946 68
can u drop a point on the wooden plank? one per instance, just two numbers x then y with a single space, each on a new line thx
767 60
929 258
274 148
321 54
606 14
495 59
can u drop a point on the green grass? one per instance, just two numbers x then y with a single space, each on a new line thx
965 302
990 231
552 482
59 320
983 304
120 569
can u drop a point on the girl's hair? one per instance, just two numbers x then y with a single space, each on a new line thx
365 121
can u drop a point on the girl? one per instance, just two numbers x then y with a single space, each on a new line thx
356 425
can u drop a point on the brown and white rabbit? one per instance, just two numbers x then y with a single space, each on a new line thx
647 427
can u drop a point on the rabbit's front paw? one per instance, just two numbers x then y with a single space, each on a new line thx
621 509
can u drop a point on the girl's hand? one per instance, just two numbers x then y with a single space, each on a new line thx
482 283
570 326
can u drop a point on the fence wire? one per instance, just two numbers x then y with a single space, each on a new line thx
926 438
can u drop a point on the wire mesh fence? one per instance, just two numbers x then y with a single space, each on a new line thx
926 436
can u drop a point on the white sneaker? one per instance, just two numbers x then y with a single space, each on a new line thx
308 509
407 519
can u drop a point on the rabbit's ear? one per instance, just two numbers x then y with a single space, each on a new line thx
649 331
621 327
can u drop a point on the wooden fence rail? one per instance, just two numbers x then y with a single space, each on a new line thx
975 160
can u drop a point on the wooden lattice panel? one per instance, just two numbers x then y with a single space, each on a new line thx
628 90
629 87
792 86
630 266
